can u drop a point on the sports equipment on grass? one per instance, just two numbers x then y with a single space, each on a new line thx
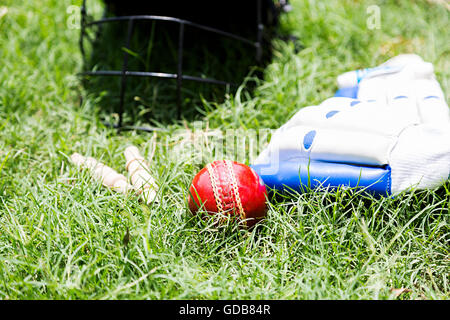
104 174
140 174
394 136
142 183
229 188
183 26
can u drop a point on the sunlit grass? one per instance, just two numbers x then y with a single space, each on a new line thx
61 232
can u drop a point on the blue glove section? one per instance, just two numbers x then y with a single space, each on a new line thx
294 175
350 92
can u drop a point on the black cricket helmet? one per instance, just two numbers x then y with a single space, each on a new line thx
158 57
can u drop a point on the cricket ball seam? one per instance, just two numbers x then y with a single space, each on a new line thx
224 183
235 189
213 180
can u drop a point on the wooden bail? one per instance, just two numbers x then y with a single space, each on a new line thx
139 173
106 175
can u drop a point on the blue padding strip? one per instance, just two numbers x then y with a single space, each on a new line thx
294 175
350 92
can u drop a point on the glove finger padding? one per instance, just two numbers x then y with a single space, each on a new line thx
421 158
347 131
431 103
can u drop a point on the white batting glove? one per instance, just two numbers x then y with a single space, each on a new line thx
400 123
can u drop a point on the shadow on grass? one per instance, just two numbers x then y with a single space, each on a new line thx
153 47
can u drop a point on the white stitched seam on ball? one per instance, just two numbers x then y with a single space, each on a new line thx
234 188
213 179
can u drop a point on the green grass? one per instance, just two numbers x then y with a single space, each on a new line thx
61 232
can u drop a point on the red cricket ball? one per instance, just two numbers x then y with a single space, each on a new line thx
229 187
